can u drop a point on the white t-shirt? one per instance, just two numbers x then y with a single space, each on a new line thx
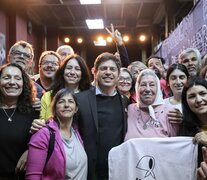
178 106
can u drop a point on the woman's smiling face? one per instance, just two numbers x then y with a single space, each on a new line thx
147 89
66 107
177 81
197 99
11 82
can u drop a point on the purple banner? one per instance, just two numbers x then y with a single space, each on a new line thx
191 32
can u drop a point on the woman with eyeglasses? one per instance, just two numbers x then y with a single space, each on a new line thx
73 74
125 83
17 95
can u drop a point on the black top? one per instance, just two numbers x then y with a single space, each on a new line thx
38 81
110 123
14 137
123 55
88 124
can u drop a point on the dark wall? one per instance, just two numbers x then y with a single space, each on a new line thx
134 51
16 26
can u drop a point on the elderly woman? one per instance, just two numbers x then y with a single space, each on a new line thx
68 159
177 76
17 95
149 116
73 73
135 68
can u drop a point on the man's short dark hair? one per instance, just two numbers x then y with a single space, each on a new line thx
157 57
105 57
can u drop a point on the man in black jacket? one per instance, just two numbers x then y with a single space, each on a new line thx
102 116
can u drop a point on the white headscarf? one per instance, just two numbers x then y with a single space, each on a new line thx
158 99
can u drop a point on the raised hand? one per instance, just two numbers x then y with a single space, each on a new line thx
115 34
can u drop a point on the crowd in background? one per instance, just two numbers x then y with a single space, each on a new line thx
62 122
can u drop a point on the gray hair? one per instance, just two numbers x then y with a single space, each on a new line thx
65 47
23 44
187 51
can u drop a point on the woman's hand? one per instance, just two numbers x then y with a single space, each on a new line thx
202 170
175 116
22 162
37 124
201 138
116 35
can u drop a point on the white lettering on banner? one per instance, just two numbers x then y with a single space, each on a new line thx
191 32
180 34
199 40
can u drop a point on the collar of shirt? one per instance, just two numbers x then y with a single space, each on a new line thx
99 92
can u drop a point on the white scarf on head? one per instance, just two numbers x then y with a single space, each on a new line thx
158 99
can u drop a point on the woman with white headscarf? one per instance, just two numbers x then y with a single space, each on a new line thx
149 116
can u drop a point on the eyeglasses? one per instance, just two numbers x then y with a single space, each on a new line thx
47 63
122 79
19 53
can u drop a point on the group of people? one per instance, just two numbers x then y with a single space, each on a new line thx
61 125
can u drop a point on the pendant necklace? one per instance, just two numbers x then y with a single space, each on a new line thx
150 122
9 117
145 124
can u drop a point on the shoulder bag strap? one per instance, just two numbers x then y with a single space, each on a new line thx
50 145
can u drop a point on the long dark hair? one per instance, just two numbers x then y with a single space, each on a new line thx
27 97
59 81
190 125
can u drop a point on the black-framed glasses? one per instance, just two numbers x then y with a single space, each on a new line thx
47 63
19 53
122 79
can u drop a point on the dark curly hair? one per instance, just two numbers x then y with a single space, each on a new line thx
59 81
190 125
27 97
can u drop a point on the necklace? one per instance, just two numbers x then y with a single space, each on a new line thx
150 122
9 117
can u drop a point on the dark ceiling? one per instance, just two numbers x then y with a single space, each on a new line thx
129 16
